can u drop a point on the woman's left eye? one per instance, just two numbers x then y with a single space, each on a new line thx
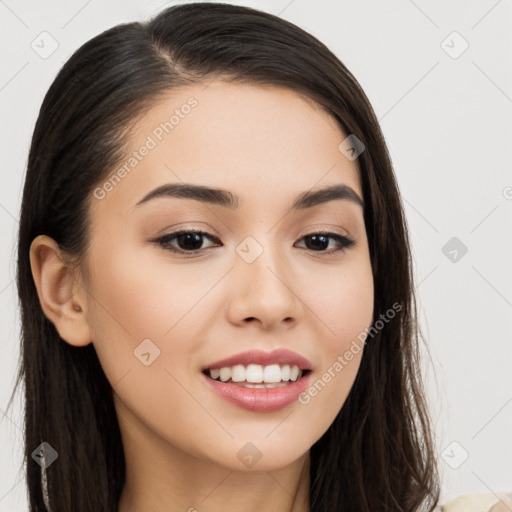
322 239
190 242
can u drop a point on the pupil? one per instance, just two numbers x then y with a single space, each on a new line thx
190 241
318 242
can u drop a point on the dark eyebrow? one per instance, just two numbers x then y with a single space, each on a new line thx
226 199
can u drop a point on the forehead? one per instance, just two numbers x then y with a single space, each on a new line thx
264 143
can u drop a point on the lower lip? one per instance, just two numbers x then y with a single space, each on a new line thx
259 399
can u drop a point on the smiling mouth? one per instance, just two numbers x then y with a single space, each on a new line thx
256 376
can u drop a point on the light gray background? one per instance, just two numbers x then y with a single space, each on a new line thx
448 124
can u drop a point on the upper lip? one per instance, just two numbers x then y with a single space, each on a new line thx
279 356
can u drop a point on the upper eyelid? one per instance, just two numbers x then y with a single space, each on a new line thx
306 230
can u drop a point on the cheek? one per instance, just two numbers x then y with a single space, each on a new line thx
343 301
139 323
344 306
136 299
139 298
128 304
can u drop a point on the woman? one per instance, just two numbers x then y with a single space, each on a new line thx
215 280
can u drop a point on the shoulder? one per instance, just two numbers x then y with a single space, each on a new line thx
486 502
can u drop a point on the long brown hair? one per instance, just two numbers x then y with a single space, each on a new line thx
378 453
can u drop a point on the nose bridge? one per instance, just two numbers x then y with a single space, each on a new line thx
264 281
261 259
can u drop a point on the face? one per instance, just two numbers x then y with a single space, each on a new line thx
260 275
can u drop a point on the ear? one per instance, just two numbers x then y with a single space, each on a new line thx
61 296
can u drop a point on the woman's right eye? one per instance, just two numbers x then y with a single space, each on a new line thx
189 240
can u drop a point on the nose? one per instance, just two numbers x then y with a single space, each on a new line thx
263 292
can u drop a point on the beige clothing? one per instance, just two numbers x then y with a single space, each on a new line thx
487 502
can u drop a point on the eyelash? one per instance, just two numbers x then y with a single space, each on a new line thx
344 241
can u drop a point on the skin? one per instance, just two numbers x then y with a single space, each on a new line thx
266 145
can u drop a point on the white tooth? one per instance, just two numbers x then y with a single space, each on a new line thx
271 385
238 373
259 385
254 373
225 373
294 372
272 373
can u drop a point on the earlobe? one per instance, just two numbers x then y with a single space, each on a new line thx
60 296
